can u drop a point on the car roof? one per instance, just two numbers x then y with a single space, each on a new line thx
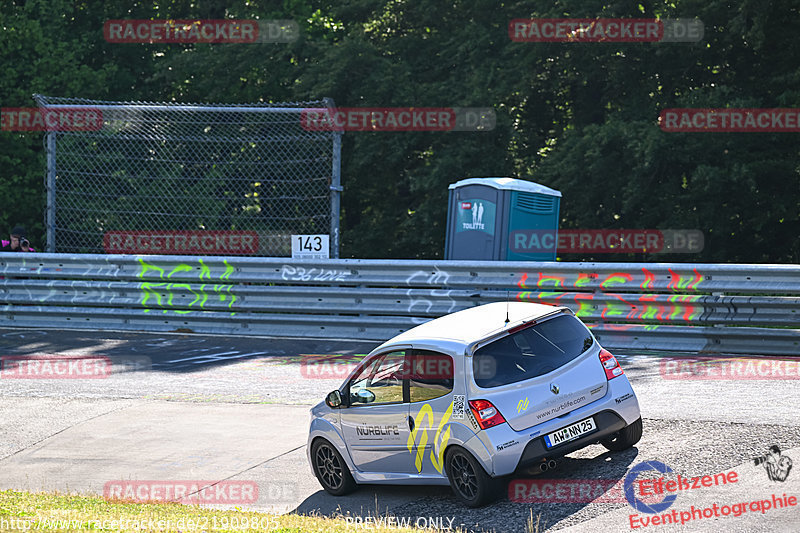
471 325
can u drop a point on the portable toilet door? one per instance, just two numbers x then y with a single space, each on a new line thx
472 220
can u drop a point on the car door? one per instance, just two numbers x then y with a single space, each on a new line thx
375 423
430 391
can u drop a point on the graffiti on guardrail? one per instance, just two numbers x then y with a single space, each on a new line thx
634 279
420 301
161 295
645 307
292 273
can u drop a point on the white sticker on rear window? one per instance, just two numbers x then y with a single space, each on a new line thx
458 406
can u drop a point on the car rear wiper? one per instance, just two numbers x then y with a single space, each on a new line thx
551 342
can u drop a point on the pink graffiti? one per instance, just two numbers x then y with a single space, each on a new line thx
676 281
649 278
643 307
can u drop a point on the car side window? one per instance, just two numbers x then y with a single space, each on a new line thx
430 375
380 381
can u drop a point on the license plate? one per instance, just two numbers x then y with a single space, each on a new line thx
570 432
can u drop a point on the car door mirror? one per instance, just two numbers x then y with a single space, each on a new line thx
334 399
365 396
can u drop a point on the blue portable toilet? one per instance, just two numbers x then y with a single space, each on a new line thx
502 219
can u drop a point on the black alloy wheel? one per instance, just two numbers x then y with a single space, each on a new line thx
331 470
468 479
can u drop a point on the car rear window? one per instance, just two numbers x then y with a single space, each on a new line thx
531 352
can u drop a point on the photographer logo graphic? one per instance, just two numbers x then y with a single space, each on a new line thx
777 466
630 493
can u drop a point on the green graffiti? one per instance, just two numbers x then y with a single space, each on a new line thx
650 312
689 312
203 293
162 294
614 309
228 270
180 268
205 270
147 290
147 266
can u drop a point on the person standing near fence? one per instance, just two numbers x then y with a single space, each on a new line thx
17 241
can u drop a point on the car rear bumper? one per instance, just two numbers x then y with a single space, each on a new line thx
511 449
608 422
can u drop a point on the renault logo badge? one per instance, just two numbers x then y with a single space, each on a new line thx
554 388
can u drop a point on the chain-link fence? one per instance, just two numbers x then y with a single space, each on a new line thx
140 177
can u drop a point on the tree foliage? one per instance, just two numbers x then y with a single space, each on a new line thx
578 117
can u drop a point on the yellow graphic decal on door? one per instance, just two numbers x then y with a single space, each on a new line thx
439 440
439 445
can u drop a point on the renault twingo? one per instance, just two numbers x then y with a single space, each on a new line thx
470 397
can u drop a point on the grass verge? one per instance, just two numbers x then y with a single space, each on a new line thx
25 511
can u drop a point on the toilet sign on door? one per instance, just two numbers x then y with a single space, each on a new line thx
476 215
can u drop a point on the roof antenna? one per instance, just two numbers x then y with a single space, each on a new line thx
507 297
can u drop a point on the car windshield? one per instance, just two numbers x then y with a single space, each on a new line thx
531 352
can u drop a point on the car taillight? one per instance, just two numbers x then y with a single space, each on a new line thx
610 365
486 414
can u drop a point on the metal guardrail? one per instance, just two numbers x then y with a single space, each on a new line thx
656 306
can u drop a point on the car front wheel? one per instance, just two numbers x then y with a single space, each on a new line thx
468 479
625 438
330 469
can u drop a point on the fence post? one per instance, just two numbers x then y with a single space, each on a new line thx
50 187
336 194
336 185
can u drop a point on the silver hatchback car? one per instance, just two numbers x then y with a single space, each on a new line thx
471 397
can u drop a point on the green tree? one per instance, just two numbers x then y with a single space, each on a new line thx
579 117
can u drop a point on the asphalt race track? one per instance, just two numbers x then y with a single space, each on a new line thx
192 407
